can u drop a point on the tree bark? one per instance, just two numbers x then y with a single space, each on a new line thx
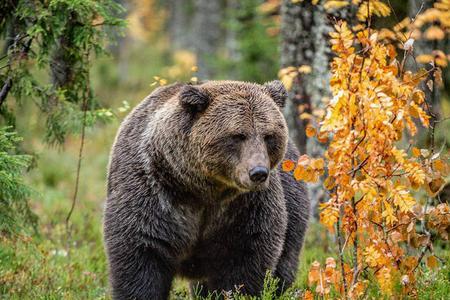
231 39
296 49
180 24
304 32
305 41
423 46
208 33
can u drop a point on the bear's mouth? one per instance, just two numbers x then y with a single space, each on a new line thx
243 185
249 186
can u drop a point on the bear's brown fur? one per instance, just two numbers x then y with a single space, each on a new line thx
194 189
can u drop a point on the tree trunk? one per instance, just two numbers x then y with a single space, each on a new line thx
305 41
62 61
304 32
231 36
296 50
180 24
208 33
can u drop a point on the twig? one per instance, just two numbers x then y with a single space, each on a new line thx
86 96
80 156
341 254
355 245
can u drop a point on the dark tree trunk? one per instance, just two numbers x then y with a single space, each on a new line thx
296 49
304 41
62 61
425 47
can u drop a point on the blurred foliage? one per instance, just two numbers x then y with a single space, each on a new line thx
14 193
256 56
46 62
48 49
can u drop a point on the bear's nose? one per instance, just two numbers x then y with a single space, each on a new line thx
258 174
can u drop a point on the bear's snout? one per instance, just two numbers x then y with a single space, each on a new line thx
258 174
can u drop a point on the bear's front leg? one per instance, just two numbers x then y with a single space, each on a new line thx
249 247
246 276
139 273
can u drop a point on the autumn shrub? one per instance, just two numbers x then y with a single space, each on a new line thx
383 206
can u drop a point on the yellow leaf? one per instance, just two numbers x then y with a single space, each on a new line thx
299 172
305 69
418 96
424 58
318 164
403 199
287 76
415 152
329 183
438 74
305 116
410 227
334 5
372 256
434 33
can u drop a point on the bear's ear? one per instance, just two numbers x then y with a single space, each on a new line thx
194 99
277 91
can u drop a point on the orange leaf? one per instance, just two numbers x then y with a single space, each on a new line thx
308 295
415 152
310 131
287 165
322 137
432 262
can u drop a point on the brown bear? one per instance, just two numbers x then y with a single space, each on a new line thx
195 190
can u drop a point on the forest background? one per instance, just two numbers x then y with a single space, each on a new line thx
70 71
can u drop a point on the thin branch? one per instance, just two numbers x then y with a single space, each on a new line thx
86 97
5 90
341 254
80 157
355 244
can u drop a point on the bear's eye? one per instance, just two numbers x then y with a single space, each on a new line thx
270 139
239 137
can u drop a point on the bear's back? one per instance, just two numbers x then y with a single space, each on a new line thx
124 155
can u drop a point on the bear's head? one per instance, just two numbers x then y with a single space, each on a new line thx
237 133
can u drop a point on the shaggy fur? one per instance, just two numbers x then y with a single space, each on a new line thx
181 202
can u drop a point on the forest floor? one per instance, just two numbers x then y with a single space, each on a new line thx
49 265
